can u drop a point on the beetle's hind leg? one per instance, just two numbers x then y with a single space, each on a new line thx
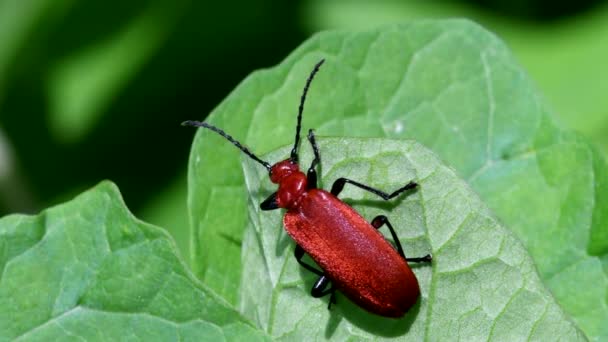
319 289
299 254
382 220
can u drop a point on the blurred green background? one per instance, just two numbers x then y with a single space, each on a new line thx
96 90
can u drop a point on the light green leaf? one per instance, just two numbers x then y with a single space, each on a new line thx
88 269
482 284
563 56
456 89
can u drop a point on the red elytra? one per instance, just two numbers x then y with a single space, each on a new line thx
352 254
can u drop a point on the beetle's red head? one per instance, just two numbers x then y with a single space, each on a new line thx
283 169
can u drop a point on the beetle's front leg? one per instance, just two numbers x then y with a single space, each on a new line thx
340 182
270 203
312 172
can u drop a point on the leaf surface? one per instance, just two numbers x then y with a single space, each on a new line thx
88 269
482 284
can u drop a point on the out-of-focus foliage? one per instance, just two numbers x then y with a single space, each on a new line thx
536 9
93 90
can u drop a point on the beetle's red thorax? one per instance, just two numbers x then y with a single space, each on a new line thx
292 183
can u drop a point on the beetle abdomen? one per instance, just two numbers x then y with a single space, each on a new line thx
353 254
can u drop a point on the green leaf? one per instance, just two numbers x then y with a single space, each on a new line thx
482 284
563 57
88 269
456 89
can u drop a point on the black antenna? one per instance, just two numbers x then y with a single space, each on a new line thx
229 138
294 151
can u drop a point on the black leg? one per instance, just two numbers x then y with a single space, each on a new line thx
299 254
319 290
339 185
381 220
426 258
270 203
312 172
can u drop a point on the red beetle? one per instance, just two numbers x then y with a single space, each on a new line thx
354 257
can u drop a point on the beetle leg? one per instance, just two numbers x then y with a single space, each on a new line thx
319 290
340 182
299 254
381 220
426 258
332 298
270 203
311 175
